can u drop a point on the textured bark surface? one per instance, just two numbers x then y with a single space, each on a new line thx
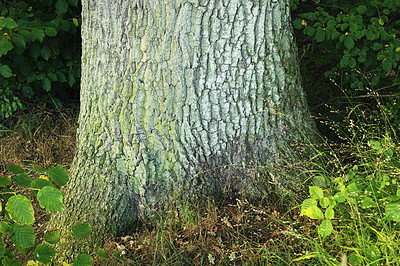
180 95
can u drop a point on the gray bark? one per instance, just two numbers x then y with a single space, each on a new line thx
180 96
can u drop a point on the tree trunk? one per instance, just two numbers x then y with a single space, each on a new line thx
180 96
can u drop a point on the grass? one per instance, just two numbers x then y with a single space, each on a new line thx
42 136
362 165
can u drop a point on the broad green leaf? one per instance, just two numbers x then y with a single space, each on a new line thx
50 198
37 35
9 23
51 32
71 80
310 31
316 192
46 84
329 213
5 45
22 180
297 23
307 204
34 50
335 34
83 260
52 76
352 63
4 228
45 52
314 212
361 9
393 212
20 209
61 6
102 253
22 235
81 229
10 262
18 40
58 175
386 65
4 180
25 68
40 183
27 34
320 35
2 248
345 60
15 169
325 228
52 237
43 253
39 168
367 202
321 181
73 2
349 42
371 34
60 76
362 56
324 202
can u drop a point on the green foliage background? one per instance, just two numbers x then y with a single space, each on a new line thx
39 53
355 47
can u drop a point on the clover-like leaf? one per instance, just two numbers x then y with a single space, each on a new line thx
43 253
20 209
50 198
81 229
58 175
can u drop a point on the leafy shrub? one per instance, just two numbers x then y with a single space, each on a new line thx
18 216
39 52
356 195
356 43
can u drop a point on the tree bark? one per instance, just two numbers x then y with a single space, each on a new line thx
180 96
